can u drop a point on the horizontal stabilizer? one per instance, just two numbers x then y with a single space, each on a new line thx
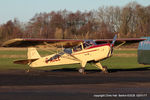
24 62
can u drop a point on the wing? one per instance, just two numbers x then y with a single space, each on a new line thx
33 42
120 41
26 42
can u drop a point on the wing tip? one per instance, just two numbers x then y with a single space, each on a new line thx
11 42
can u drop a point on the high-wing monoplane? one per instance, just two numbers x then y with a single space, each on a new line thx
74 52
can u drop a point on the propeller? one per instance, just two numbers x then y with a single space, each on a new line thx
112 44
114 39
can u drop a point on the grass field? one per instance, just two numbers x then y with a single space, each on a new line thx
122 59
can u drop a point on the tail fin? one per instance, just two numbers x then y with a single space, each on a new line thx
33 54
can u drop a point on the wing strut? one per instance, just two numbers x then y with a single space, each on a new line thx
121 44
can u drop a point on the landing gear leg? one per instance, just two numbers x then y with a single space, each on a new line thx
82 69
103 68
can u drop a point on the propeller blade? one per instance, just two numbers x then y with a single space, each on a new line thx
111 46
114 39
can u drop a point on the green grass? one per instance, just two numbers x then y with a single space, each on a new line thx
22 52
125 51
7 63
12 52
114 62
122 63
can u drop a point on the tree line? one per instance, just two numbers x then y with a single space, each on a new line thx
130 21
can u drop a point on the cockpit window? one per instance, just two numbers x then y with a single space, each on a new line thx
68 50
87 44
55 57
77 48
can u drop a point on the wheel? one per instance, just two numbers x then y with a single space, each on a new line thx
105 69
27 71
81 70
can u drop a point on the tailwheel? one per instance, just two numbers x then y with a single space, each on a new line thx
27 71
82 70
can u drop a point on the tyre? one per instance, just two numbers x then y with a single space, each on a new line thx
81 70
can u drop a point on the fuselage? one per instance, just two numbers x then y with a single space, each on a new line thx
87 54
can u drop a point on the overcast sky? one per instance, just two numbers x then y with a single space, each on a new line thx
24 10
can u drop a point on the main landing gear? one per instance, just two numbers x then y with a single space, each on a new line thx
98 65
103 68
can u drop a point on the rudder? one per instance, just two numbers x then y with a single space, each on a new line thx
33 54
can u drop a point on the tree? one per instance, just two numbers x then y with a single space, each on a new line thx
10 30
59 33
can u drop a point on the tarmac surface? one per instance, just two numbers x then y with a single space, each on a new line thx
68 84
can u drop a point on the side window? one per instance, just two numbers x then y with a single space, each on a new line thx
87 44
77 48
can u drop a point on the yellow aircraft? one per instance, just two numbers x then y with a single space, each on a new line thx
85 51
